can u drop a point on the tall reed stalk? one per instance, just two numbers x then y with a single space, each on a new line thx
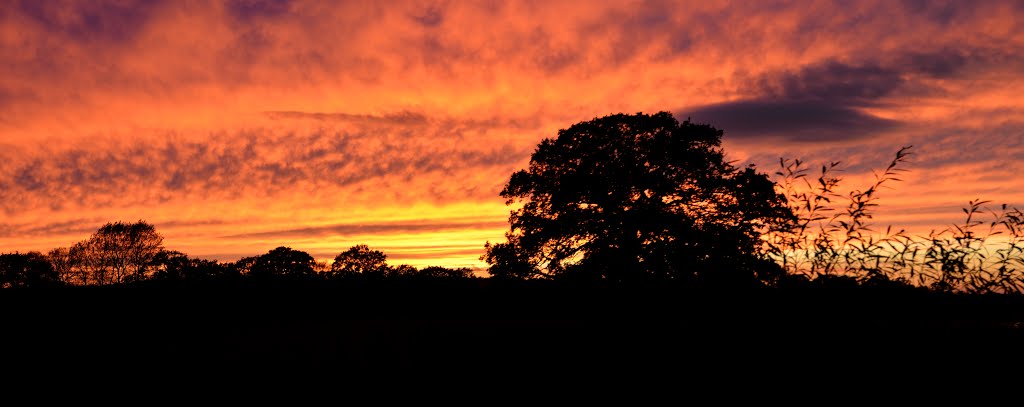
833 235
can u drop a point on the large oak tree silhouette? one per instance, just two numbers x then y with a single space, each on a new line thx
628 198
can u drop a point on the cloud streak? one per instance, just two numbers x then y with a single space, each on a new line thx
260 162
795 120
372 229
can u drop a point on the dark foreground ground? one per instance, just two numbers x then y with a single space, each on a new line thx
486 331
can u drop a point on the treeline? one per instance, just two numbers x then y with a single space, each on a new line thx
127 253
628 200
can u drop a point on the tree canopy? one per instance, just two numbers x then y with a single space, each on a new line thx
360 260
175 265
117 253
30 269
634 197
282 262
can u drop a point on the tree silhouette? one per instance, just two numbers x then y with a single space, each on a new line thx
64 265
283 262
445 272
117 253
174 265
508 260
360 260
635 197
403 270
243 266
30 269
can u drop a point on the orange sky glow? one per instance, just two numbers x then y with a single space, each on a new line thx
239 126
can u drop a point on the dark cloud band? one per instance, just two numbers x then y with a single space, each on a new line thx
795 120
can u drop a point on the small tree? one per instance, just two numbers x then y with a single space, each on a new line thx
116 253
635 197
283 262
402 270
63 265
360 260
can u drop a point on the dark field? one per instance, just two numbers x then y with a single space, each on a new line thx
481 327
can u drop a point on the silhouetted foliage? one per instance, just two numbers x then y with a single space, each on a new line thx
636 198
242 266
831 240
627 199
117 253
445 272
282 262
402 270
63 264
507 261
30 269
360 260
174 265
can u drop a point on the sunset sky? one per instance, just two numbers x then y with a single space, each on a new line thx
236 127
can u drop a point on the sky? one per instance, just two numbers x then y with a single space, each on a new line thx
239 126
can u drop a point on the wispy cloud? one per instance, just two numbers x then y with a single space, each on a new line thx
260 162
419 226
